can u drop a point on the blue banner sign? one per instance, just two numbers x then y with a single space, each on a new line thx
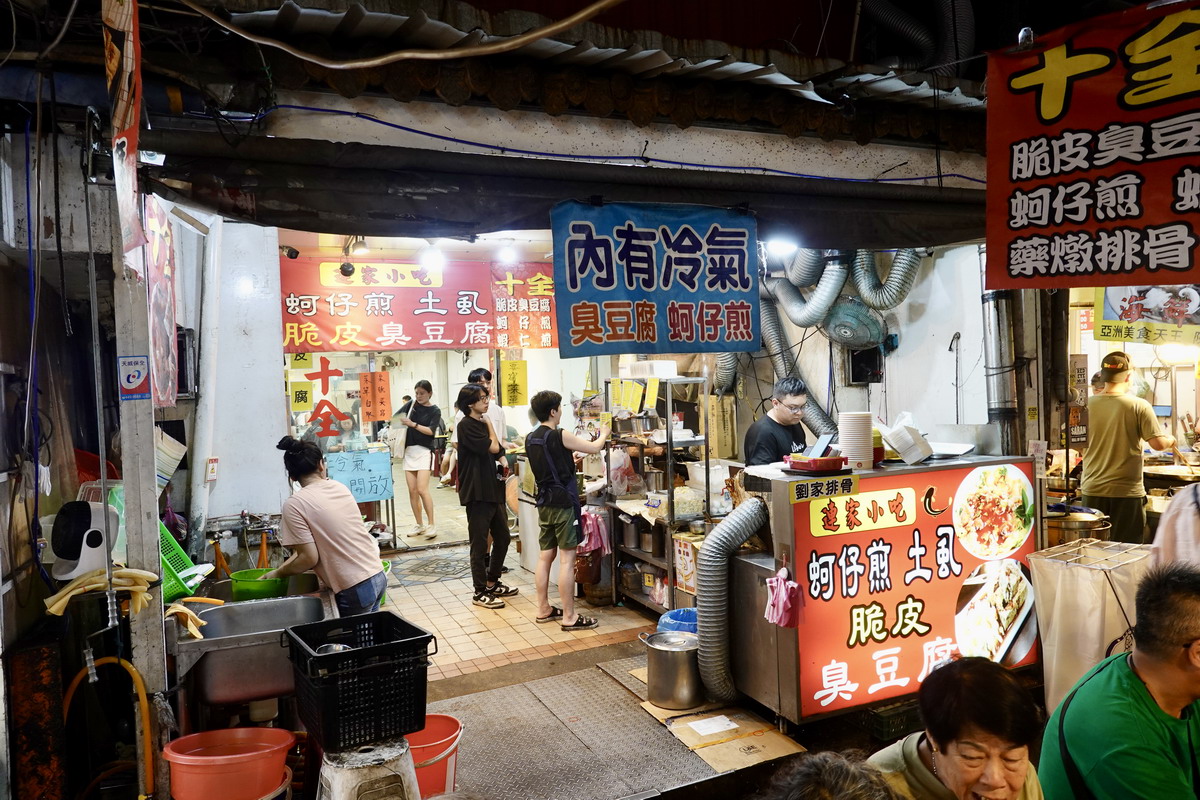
367 474
654 278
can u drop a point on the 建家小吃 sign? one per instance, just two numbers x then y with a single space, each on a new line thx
133 377
1092 142
654 278
367 474
909 570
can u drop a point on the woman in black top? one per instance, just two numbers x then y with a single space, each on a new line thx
423 421
481 491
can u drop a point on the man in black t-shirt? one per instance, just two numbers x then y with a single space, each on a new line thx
778 433
549 452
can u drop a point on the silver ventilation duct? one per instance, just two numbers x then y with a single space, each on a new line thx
803 313
889 294
783 361
998 367
805 268
712 594
726 374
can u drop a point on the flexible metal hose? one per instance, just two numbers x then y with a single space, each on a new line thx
805 268
712 594
884 295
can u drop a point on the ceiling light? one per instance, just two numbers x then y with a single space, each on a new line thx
432 258
507 254
781 248
355 246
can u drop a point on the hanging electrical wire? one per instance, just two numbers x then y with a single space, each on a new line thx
495 48
58 248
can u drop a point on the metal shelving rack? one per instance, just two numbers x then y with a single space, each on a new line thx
670 521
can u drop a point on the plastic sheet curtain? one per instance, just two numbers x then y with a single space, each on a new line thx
1085 606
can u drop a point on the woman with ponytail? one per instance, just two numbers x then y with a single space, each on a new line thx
324 530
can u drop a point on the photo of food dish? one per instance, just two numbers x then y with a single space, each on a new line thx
995 613
994 511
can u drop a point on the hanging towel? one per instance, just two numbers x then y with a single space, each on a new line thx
783 600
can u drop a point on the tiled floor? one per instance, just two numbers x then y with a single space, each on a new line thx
471 638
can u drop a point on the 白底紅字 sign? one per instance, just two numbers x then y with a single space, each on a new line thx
907 571
367 474
1148 314
385 305
1093 140
654 278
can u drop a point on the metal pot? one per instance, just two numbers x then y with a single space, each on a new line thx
655 480
672 672
1076 525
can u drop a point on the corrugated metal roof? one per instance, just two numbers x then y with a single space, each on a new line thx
912 88
640 54
781 71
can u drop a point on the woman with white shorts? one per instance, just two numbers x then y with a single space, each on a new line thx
424 422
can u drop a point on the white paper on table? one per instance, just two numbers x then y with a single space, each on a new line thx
706 727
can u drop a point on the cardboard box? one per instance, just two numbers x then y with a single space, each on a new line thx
687 555
722 422
727 738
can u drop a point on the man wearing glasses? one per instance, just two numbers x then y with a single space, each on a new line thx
1131 725
778 433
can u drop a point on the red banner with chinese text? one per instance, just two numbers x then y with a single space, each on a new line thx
384 305
907 571
160 298
523 295
1093 136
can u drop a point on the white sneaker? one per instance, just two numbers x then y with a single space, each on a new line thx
430 532
417 530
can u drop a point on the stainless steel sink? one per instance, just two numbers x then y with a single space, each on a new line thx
242 656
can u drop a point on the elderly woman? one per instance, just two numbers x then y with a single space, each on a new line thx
979 724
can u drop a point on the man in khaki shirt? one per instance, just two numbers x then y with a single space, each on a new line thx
1112 470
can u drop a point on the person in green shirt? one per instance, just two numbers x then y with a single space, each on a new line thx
1112 468
1131 726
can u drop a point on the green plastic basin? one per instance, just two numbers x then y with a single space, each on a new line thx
246 585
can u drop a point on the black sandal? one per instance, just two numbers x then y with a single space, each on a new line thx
555 613
582 623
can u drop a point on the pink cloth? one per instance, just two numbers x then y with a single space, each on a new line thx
783 600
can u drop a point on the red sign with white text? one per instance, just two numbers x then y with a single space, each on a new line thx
908 571
385 305
524 298
1093 138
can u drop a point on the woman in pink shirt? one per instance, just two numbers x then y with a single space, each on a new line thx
325 532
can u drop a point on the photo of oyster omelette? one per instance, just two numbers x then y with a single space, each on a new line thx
1001 597
994 511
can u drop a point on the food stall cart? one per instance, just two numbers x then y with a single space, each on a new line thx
898 568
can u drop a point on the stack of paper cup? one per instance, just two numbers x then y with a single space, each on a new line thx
854 438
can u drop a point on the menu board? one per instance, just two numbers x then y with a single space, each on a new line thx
907 571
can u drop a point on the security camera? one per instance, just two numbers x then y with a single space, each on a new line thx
290 252
346 269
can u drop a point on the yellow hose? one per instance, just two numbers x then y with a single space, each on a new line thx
143 705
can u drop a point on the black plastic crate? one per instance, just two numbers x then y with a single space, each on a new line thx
372 692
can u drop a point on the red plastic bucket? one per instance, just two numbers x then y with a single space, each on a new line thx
435 753
233 763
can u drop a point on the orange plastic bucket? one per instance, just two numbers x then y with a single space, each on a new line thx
435 753
233 763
